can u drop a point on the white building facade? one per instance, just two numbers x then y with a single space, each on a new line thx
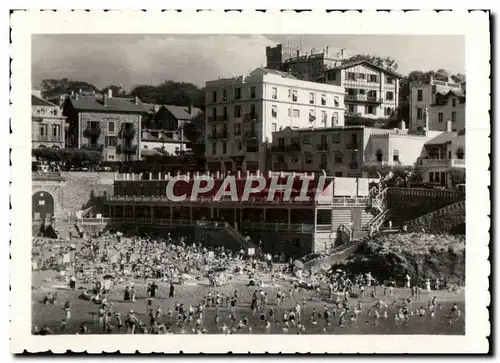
371 91
423 95
243 112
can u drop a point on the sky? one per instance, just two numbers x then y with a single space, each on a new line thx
128 60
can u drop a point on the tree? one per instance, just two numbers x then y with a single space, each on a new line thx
171 93
386 63
52 87
117 91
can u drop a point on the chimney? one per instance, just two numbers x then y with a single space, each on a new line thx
104 100
448 126
137 100
190 109
80 91
402 125
298 52
110 93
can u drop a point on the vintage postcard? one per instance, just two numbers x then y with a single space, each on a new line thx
295 182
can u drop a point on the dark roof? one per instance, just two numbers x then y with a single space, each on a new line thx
37 101
457 93
274 71
182 112
443 138
114 104
356 63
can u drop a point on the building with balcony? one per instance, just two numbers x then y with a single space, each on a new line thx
336 150
47 123
371 91
443 159
110 125
243 112
430 94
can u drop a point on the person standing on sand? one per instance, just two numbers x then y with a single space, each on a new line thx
171 292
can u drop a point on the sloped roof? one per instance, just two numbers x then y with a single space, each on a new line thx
457 93
114 104
442 138
182 112
37 101
364 62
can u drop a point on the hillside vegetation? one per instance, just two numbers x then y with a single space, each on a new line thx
423 255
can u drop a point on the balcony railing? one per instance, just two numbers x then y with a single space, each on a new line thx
222 118
454 163
353 165
48 138
351 146
92 131
128 132
251 134
363 98
94 147
322 147
129 149
249 117
285 148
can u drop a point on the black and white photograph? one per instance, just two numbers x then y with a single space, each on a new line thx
280 184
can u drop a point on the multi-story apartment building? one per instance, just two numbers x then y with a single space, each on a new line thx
243 112
47 123
335 150
424 95
110 125
448 106
371 91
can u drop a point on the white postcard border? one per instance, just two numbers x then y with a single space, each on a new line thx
475 27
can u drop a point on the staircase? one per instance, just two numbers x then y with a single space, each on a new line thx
238 237
441 220
378 207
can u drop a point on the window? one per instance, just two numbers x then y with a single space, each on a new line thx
111 157
389 96
274 127
336 101
274 111
43 130
289 112
312 116
311 98
237 129
419 113
214 113
395 156
379 155
224 95
453 116
323 161
453 102
214 96
295 97
309 158
252 92
237 93
224 147
361 76
372 95
240 145
388 111
336 138
339 158
274 93
335 119
362 91
56 129
323 116
281 141
214 148
351 76
390 80
332 76
440 117
214 131
225 114
420 96
323 100
370 110
307 139
323 140
253 115
373 78
289 93
237 111
145 147
111 141
431 177
281 158
296 113
295 140
351 108
111 126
